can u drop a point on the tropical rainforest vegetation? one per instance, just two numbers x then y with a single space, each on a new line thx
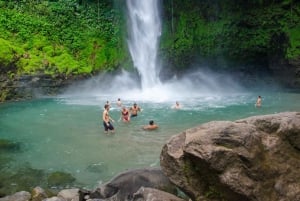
233 30
72 37
60 37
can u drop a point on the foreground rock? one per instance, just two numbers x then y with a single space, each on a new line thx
257 158
150 194
125 185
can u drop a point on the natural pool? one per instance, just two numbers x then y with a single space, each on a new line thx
65 133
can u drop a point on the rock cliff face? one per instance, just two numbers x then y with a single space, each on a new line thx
256 158
32 86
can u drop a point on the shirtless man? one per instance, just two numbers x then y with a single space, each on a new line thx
106 120
134 110
151 126
258 102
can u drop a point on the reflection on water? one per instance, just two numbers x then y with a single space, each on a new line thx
66 134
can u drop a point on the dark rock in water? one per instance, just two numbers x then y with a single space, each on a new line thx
256 158
97 168
60 179
8 146
124 185
24 178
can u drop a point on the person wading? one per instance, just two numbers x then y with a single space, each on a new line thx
107 120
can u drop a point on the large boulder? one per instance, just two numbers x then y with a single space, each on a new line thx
256 158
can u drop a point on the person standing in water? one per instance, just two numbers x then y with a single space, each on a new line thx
134 110
107 120
258 102
150 126
177 105
125 115
119 102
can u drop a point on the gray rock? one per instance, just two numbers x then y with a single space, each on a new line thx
19 196
69 194
124 185
150 194
54 199
256 158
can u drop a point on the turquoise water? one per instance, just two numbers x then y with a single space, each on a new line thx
66 133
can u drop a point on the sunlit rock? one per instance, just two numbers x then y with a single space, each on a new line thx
19 196
69 194
147 194
256 158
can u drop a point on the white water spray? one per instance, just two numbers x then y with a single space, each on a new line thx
145 29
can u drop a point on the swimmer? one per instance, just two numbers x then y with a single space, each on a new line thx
150 126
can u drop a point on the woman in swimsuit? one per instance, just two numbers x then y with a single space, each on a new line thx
125 115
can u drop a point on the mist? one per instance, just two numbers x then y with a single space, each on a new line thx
127 86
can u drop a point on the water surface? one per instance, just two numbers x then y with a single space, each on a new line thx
66 133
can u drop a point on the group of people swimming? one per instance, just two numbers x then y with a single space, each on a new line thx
126 115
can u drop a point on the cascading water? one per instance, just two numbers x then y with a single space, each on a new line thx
144 29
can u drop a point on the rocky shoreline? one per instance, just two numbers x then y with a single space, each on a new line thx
28 87
252 159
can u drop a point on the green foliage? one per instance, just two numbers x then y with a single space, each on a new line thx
6 52
294 50
57 37
236 31
75 37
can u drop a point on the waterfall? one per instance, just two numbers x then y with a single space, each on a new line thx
144 27
144 31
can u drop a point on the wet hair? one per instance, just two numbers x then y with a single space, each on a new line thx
106 106
151 122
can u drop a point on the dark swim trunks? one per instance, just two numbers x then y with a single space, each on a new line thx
109 126
133 115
